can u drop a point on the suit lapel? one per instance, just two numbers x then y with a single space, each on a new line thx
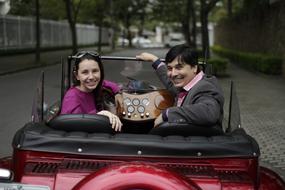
191 92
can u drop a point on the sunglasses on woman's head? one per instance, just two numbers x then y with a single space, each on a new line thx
83 53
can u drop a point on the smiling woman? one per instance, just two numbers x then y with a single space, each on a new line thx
86 96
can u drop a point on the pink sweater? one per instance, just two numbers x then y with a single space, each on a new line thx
76 101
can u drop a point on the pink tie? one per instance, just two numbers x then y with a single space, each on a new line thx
181 97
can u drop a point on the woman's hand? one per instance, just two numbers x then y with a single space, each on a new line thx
147 57
114 120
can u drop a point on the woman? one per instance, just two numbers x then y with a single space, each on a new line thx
86 96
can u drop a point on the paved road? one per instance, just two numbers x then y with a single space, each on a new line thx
262 104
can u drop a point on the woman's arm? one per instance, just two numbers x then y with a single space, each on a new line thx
70 106
70 103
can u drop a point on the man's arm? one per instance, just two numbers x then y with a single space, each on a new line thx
203 106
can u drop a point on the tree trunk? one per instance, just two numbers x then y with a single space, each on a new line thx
74 37
112 33
186 32
129 36
206 7
99 45
128 24
230 8
38 33
204 29
141 26
186 23
194 28
72 25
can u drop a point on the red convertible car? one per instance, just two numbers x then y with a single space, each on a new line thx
82 152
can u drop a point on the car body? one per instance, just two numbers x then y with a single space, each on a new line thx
82 152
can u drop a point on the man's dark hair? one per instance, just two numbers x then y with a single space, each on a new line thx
184 53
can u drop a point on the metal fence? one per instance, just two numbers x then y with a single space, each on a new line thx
19 33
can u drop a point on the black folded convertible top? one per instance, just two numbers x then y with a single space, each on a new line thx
39 137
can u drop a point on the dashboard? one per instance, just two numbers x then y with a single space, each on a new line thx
146 106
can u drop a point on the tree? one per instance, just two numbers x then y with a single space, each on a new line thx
22 8
179 12
30 8
38 32
112 24
125 14
96 12
194 27
186 22
51 9
230 8
205 7
112 13
72 9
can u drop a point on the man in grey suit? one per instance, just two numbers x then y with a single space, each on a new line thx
199 98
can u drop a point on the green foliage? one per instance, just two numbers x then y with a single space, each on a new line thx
169 11
221 12
22 7
219 65
51 9
93 11
240 9
267 64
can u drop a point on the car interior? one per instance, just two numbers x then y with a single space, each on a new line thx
62 133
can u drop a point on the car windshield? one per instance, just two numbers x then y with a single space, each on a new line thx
131 70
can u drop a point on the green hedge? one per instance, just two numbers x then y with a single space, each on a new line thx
267 64
219 65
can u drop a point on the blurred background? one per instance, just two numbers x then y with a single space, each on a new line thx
243 40
255 26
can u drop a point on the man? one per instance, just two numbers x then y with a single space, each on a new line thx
199 98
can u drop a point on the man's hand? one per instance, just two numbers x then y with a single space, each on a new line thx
147 57
158 121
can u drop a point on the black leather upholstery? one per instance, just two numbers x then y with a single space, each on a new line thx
82 122
185 129
39 137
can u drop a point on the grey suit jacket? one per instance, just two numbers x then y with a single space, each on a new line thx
203 105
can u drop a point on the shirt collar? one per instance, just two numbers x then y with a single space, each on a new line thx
194 81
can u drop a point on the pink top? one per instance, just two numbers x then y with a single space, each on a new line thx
76 101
